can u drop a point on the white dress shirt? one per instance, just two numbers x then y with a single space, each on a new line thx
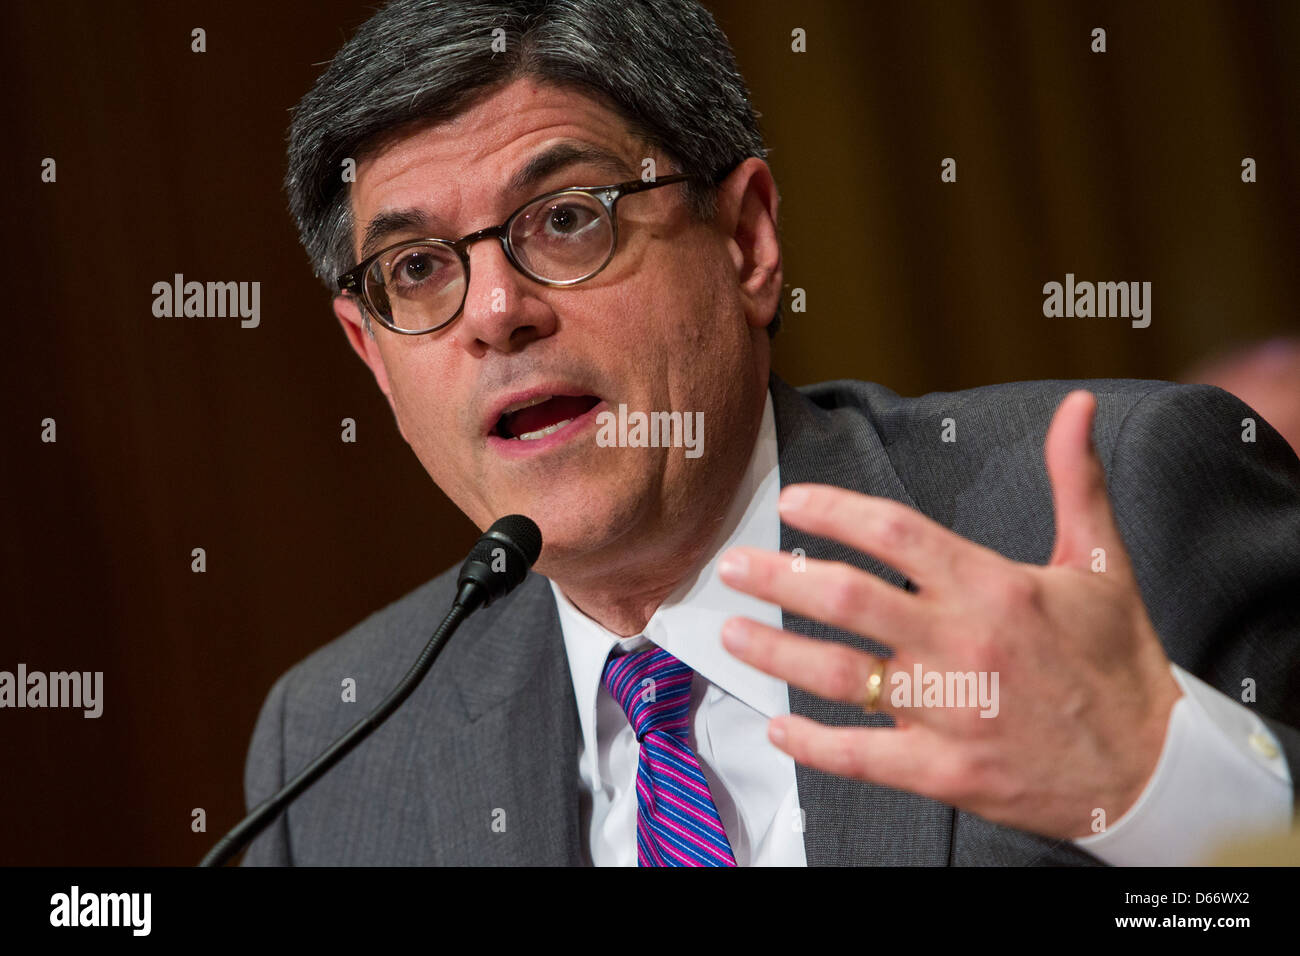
1220 773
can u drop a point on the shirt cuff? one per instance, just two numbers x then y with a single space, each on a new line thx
1221 777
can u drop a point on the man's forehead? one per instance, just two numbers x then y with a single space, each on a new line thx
495 132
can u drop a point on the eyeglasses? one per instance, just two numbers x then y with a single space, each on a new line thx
559 239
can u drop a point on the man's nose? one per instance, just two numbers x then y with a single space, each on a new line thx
502 310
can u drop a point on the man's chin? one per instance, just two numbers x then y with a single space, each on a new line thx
578 528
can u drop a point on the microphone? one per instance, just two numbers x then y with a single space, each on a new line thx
499 561
497 564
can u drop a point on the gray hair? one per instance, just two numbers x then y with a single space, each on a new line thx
664 66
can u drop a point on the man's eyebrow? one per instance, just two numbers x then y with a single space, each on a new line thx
385 223
565 154
549 161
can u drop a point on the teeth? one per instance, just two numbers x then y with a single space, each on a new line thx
527 404
543 432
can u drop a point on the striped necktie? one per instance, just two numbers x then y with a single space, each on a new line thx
676 821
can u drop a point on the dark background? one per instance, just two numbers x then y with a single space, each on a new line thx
183 433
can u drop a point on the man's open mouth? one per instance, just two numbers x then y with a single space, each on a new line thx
541 416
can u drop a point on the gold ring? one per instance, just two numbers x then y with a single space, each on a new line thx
874 683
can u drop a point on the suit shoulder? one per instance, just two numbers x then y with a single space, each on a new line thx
1008 408
999 414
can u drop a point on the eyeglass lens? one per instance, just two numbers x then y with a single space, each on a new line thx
559 238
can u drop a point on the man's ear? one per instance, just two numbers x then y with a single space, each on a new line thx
747 211
349 315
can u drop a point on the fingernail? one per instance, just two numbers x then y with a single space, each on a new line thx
733 565
777 734
793 498
734 637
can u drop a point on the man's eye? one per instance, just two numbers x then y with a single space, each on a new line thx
413 268
564 221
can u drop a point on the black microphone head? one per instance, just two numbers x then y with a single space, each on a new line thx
522 531
499 560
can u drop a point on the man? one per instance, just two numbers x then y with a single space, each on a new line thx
958 658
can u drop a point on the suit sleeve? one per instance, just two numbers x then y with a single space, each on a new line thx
1211 520
264 776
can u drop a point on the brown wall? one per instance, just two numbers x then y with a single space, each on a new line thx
175 434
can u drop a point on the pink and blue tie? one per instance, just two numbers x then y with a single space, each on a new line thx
676 821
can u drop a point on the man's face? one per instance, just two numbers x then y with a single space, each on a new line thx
662 328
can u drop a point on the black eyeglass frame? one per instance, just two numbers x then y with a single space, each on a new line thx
353 281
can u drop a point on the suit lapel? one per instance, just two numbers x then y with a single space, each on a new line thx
848 822
518 716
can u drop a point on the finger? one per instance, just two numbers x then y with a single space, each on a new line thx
901 759
823 668
1084 519
920 548
834 593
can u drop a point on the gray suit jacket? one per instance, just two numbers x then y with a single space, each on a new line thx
479 766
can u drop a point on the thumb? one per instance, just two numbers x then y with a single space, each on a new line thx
1084 520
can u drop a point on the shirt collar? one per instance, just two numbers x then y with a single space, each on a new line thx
688 623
